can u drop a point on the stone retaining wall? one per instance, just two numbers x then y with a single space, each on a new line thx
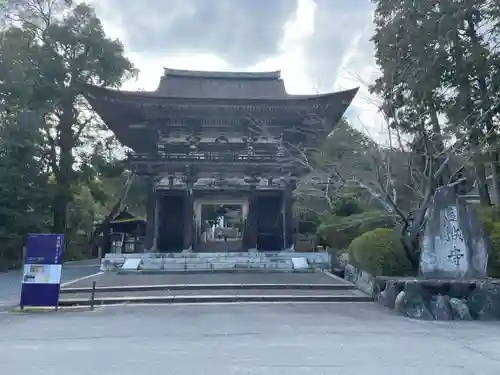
363 280
432 299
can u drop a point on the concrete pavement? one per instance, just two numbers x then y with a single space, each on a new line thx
257 339
114 279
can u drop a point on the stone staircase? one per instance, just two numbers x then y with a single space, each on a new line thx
220 246
188 287
234 277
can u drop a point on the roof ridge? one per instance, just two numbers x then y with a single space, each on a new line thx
274 75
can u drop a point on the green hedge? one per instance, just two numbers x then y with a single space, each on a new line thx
380 253
339 231
494 257
490 218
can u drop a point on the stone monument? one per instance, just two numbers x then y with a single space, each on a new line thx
454 245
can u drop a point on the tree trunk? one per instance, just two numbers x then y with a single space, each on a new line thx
476 132
412 244
59 210
64 174
438 145
495 175
482 186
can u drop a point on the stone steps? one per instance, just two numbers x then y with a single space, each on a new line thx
220 246
215 292
215 298
200 287
237 285
216 265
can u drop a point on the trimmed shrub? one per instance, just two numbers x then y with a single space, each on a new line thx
490 218
347 206
338 232
380 253
308 222
494 256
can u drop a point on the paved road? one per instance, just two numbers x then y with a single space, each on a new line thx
256 339
10 282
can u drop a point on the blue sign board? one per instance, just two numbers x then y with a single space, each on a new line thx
42 270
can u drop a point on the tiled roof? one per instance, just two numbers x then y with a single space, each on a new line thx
222 85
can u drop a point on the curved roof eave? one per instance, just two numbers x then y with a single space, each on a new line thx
148 95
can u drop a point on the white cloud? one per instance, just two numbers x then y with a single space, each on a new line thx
318 48
291 57
151 69
356 69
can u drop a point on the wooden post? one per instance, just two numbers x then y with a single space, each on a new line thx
188 213
288 224
150 215
188 220
92 296
251 229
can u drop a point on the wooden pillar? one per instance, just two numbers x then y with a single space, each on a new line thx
251 228
288 224
188 215
151 204
156 221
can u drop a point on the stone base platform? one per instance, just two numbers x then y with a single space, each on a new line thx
209 262
432 299
440 299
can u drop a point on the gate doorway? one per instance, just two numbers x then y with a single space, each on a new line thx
171 219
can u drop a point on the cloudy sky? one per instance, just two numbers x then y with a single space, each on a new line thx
319 45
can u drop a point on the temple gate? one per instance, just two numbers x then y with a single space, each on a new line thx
220 152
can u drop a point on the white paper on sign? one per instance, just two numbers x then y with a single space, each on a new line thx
42 273
299 263
131 264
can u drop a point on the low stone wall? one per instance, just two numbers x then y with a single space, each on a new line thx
431 299
436 299
363 280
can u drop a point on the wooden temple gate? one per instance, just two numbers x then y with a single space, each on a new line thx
211 137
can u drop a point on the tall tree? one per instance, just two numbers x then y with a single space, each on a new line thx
24 187
454 43
470 107
439 86
55 47
412 63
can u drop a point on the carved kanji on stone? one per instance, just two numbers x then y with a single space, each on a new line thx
454 244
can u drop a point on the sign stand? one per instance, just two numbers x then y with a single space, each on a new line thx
42 269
